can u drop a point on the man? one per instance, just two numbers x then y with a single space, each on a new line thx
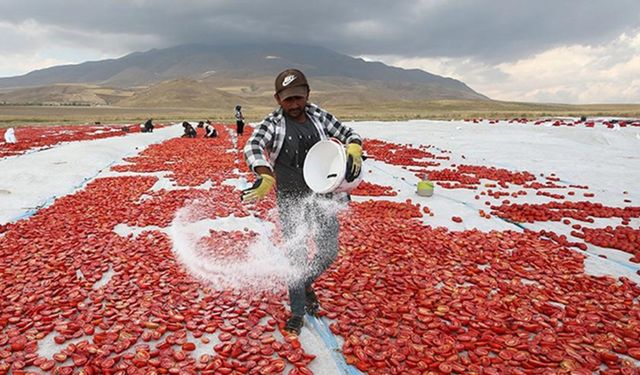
148 126
276 152
189 131
239 120
10 136
210 131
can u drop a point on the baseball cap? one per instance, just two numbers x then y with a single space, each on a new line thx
291 82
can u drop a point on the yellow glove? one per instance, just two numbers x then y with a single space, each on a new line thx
354 161
260 188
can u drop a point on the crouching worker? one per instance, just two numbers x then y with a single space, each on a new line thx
276 151
10 136
148 126
210 131
189 131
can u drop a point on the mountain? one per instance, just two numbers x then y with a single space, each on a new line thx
244 71
67 93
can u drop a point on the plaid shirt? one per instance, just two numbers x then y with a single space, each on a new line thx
268 137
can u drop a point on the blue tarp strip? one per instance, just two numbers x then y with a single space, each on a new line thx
332 344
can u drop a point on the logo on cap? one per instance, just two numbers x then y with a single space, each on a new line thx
288 79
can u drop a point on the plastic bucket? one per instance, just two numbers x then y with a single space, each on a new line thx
425 188
325 168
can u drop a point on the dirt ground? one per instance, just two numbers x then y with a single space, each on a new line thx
13 115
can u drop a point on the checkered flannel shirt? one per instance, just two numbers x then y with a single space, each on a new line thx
268 136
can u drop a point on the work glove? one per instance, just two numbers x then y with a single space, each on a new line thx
354 161
260 188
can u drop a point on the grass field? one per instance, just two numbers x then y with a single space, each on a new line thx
15 115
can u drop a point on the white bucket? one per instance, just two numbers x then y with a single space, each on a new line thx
325 168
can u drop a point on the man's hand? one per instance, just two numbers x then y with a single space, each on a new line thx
260 188
354 161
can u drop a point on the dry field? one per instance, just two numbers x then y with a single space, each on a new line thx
13 115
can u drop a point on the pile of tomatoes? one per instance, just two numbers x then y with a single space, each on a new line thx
47 137
405 297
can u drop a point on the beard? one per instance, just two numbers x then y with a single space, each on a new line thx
294 112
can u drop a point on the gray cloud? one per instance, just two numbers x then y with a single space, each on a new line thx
527 50
491 31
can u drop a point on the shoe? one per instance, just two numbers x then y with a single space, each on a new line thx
294 325
313 306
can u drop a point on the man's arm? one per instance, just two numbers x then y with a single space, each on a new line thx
335 128
264 170
347 136
254 154
257 145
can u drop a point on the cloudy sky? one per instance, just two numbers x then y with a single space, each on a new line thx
571 51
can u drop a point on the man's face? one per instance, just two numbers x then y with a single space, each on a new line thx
293 106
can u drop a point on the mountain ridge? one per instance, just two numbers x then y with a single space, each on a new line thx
224 65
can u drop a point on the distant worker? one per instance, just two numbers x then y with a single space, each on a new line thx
210 131
189 131
10 136
148 126
239 120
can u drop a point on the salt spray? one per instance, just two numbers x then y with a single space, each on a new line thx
264 267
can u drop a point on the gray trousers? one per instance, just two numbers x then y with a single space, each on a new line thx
301 217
